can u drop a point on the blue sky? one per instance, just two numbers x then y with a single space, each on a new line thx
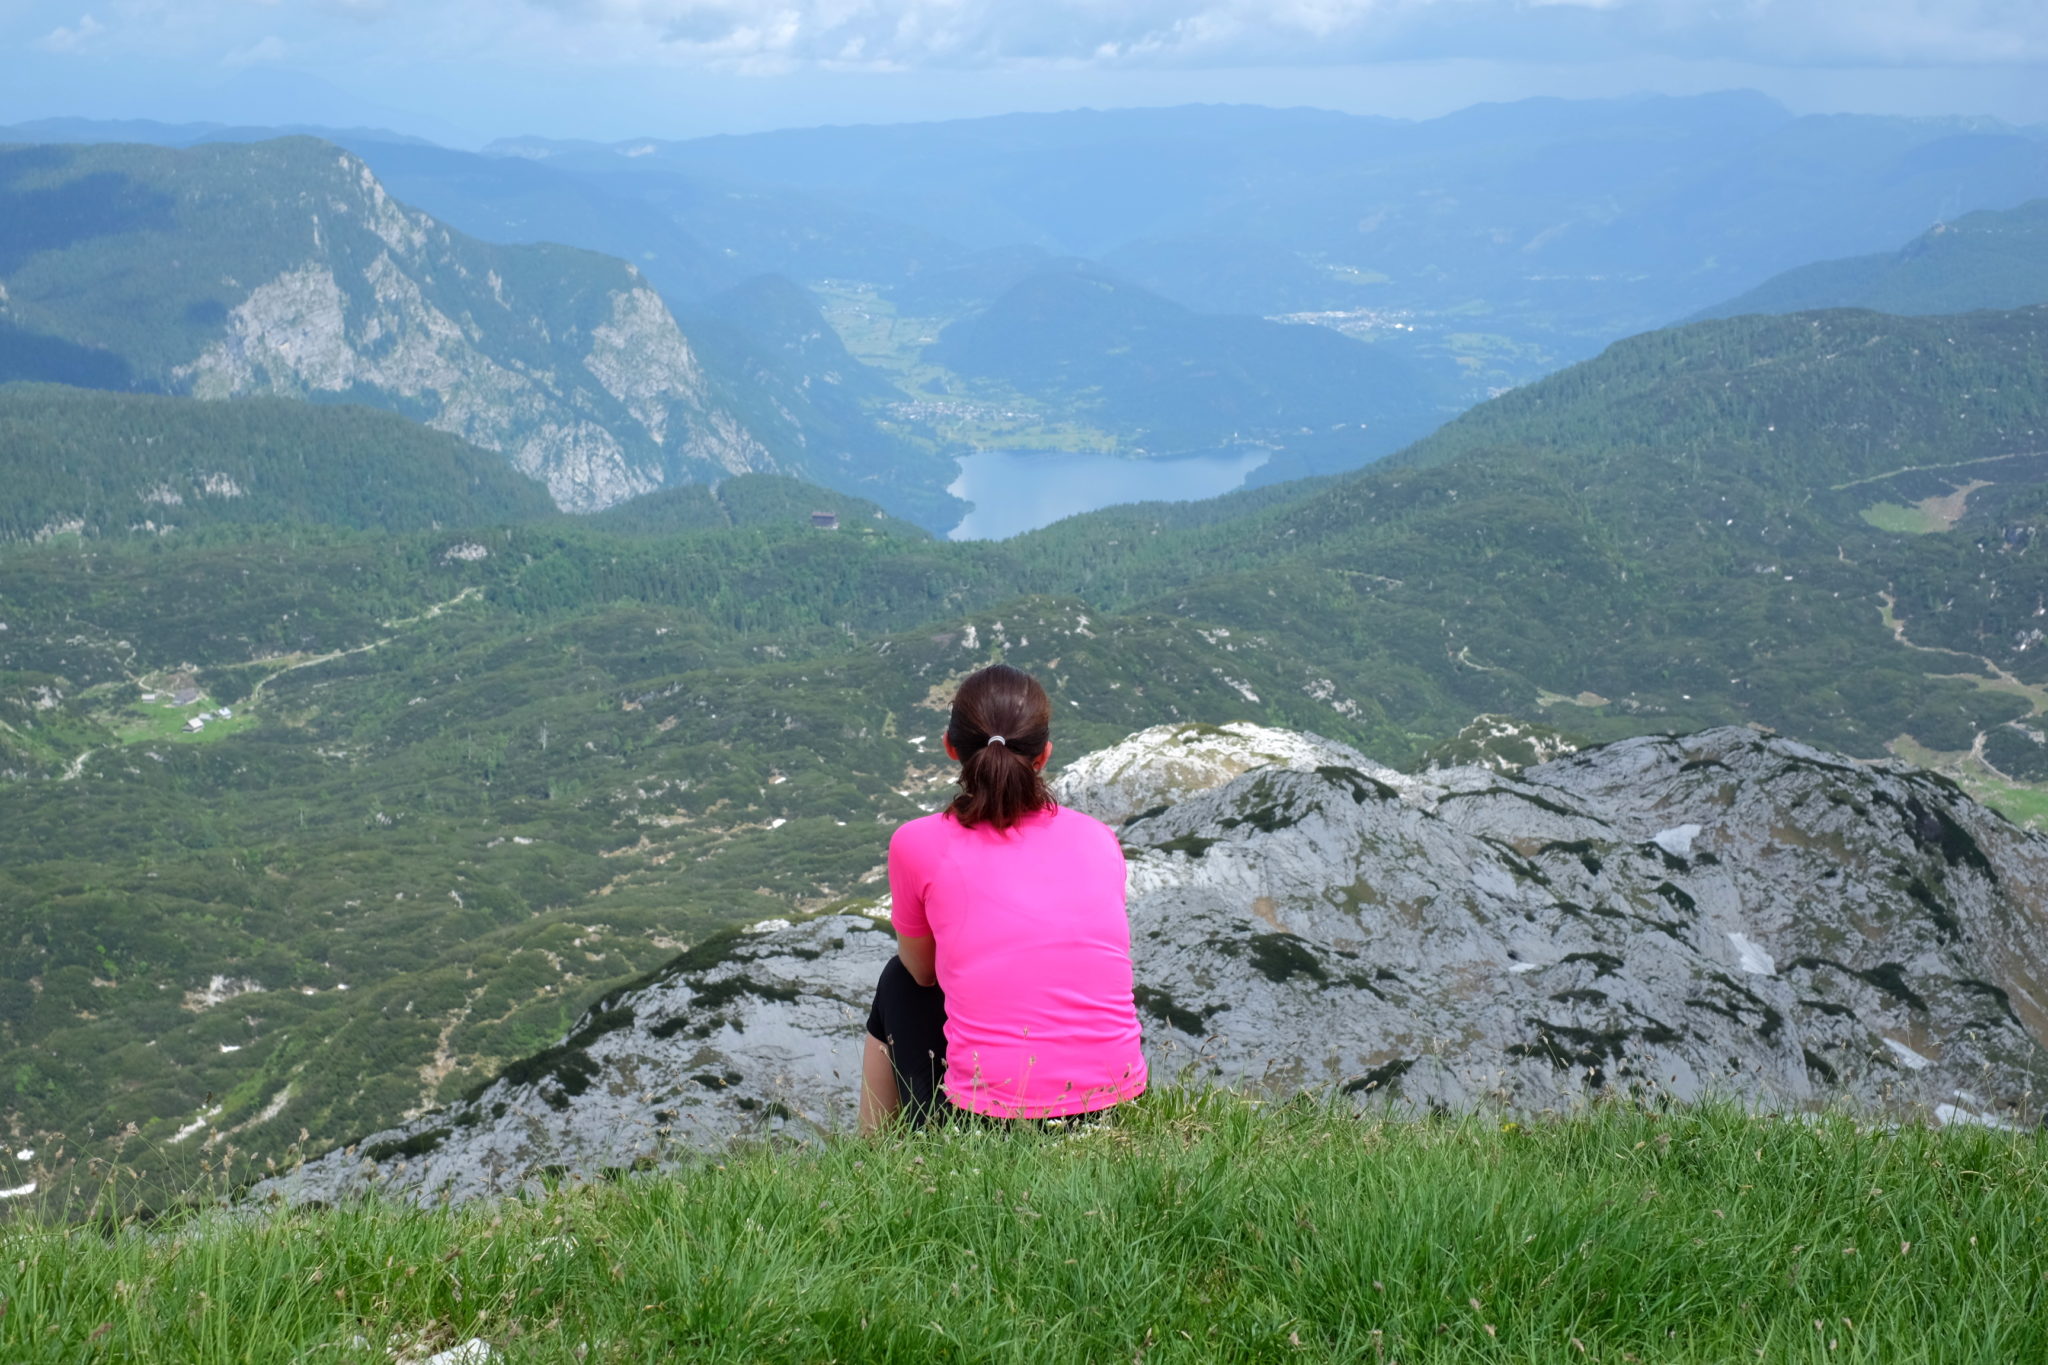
468 70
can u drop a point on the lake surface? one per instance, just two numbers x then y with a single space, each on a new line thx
1015 491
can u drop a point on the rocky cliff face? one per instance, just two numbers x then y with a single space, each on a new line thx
1720 914
285 268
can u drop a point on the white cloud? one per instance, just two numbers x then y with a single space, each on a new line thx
74 38
897 33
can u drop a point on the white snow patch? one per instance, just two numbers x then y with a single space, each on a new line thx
767 926
1517 968
274 1108
1908 1058
1750 956
1677 841
1949 1115
777 823
230 1047
195 1125
18 1191
521 839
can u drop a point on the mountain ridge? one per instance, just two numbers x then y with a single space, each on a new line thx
1988 259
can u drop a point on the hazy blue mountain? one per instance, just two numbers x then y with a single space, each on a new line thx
78 462
508 199
975 281
760 226
1988 259
1074 183
188 134
1239 275
782 317
1174 380
776 363
1553 224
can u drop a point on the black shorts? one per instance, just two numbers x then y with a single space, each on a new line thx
911 1019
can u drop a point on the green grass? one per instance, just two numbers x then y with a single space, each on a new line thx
1193 1228
1892 516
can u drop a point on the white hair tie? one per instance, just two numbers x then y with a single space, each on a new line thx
998 739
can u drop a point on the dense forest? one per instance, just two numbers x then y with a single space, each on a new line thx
102 464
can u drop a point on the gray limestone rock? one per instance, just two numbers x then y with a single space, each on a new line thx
1722 914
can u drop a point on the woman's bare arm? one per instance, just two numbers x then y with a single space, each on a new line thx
921 957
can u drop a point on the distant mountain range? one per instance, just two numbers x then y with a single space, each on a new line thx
1988 259
1473 252
1553 223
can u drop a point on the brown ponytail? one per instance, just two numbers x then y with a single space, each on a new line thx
1002 723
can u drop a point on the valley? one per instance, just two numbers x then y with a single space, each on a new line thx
408 638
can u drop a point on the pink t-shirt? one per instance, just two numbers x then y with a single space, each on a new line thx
1034 954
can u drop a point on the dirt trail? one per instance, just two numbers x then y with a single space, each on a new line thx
1925 468
429 614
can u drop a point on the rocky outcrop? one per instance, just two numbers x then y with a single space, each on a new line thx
286 269
598 414
1722 914
1157 767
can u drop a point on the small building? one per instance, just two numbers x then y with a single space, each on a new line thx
825 521
195 725
225 714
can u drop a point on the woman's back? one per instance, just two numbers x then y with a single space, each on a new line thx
1033 954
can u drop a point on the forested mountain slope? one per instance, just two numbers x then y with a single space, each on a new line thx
479 774
295 274
79 462
291 272
1988 259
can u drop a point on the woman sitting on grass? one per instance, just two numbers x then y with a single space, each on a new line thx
1010 993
